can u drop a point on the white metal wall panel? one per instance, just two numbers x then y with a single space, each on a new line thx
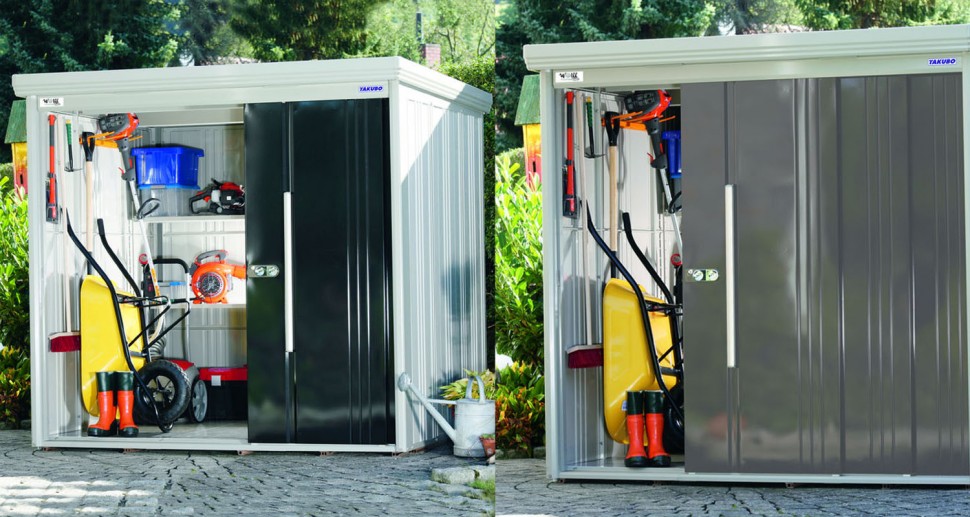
216 333
212 335
442 248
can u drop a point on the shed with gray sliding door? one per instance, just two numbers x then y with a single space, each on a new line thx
824 229
361 241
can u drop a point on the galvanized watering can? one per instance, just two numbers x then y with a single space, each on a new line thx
473 418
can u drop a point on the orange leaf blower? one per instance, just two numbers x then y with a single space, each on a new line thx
212 281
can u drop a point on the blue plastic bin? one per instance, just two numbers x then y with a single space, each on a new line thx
173 166
672 145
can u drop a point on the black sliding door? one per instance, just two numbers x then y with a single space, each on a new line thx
270 388
339 373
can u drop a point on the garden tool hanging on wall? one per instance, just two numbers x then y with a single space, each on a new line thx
647 107
569 166
52 209
120 128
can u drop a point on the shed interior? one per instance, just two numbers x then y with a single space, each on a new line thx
213 335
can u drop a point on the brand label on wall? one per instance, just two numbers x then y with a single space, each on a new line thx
51 102
942 61
370 88
569 77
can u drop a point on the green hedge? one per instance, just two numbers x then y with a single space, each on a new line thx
14 306
518 262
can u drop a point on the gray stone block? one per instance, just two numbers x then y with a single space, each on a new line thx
453 475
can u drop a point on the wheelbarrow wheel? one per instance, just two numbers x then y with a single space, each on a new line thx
168 385
673 437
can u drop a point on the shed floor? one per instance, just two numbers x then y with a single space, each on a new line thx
215 430
676 463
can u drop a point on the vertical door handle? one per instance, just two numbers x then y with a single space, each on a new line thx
729 274
288 271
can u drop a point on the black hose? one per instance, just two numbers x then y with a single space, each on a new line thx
644 313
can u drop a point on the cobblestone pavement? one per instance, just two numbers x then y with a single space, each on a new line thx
523 489
102 482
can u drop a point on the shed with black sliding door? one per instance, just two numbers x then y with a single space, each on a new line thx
361 237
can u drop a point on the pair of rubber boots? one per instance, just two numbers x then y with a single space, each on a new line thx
644 411
110 384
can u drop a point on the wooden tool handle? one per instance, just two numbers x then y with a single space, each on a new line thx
89 204
614 203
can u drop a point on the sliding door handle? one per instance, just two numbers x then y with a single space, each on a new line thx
288 271
729 275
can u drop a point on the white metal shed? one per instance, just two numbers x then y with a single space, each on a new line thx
363 175
824 186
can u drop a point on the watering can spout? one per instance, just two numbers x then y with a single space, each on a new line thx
404 384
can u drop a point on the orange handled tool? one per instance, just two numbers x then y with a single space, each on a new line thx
52 211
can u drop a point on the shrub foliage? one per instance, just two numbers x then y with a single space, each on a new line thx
14 306
518 263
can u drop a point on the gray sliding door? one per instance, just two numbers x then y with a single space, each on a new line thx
849 252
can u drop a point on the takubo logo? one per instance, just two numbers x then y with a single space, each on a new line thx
370 89
942 61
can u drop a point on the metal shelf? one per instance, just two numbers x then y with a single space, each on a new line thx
193 218
208 306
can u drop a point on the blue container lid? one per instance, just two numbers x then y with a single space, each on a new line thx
171 149
194 188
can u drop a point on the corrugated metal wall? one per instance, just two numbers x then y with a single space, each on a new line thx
215 334
440 159
851 276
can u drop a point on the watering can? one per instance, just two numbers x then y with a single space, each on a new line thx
473 418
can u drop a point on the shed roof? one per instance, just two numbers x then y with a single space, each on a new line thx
749 48
196 82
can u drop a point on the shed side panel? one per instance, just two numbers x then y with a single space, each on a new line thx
442 248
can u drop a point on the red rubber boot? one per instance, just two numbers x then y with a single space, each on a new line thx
636 457
658 457
106 407
125 382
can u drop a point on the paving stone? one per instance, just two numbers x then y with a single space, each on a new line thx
459 475
104 482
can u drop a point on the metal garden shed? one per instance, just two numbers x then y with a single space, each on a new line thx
361 241
822 211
